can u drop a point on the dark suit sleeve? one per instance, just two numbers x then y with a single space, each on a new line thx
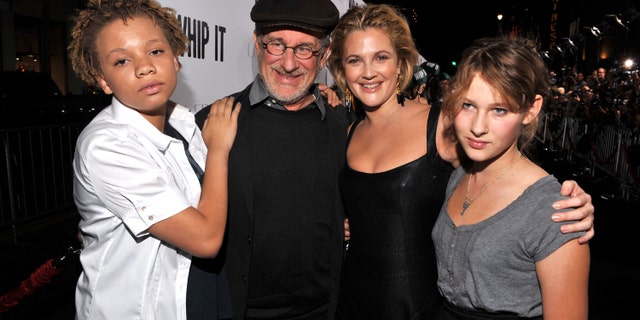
202 115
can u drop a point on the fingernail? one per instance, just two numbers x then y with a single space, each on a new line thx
555 217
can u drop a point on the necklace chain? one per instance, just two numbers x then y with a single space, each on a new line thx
467 202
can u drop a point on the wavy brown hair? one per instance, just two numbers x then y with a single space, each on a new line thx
515 70
98 13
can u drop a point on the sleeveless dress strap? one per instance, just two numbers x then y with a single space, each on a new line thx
352 129
432 126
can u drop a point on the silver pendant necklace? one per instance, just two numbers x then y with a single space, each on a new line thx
468 201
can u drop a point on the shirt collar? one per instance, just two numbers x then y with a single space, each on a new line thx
259 94
181 119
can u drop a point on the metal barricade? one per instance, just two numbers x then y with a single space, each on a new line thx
36 177
611 149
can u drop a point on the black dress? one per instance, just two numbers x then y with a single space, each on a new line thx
390 267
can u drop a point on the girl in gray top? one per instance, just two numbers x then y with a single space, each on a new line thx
498 254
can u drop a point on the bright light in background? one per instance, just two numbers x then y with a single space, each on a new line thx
628 64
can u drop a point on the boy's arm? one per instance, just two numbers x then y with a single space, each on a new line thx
200 230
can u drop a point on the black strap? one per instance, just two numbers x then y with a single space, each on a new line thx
352 129
172 132
432 128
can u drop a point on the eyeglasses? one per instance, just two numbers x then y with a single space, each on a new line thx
302 51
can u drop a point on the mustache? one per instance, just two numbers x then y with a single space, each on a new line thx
294 73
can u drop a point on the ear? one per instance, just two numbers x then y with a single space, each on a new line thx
256 44
176 64
533 111
102 82
324 58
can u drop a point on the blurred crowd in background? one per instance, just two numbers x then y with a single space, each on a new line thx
602 96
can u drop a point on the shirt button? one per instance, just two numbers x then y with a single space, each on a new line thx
249 240
150 218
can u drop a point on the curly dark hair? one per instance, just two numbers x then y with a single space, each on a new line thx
98 13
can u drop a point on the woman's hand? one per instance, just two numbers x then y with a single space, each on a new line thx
332 96
584 211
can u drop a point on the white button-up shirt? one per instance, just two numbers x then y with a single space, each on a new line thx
127 176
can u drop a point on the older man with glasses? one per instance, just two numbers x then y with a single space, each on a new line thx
284 244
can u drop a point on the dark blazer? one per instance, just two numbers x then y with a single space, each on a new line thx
240 220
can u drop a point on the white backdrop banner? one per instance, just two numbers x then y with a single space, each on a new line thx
221 58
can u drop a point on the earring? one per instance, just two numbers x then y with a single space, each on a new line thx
399 93
348 99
